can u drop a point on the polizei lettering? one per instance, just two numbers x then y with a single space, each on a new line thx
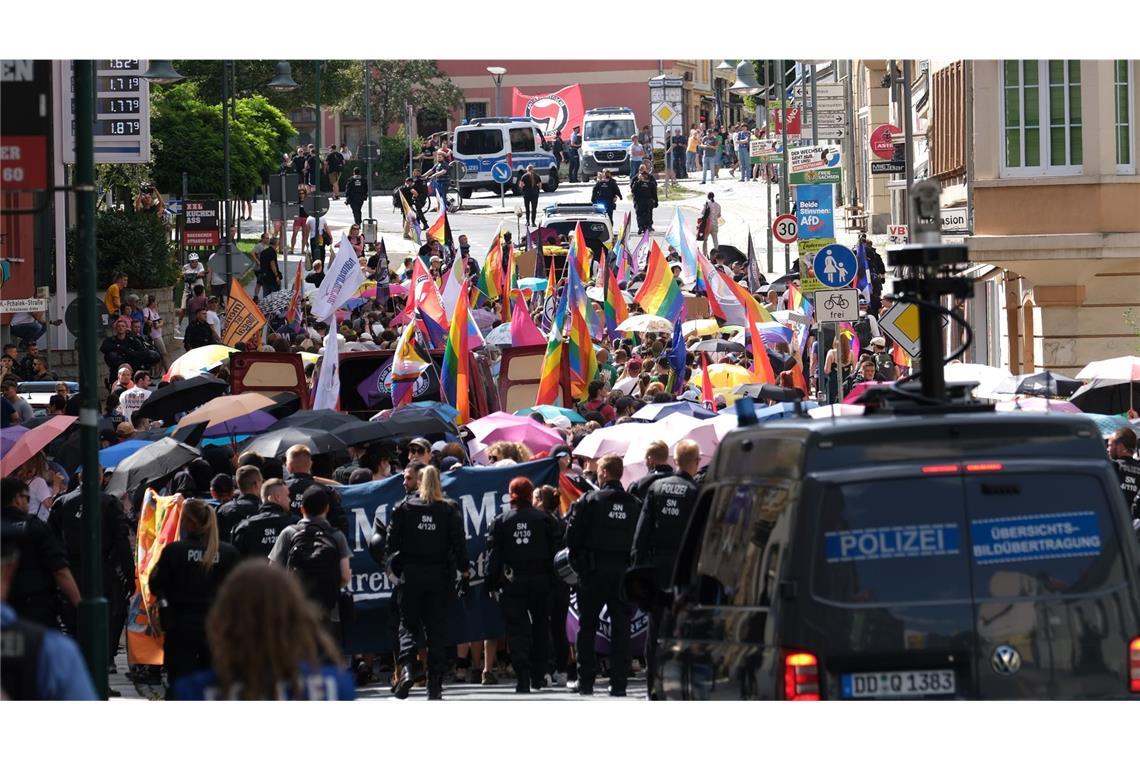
895 542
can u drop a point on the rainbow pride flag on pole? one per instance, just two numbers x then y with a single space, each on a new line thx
407 364
660 294
455 378
490 282
616 310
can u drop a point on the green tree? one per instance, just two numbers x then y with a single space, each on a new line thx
419 83
135 243
186 136
339 81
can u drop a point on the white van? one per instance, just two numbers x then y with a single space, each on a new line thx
606 139
484 142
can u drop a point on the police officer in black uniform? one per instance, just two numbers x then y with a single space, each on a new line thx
664 514
355 193
256 535
185 580
599 536
1122 451
426 546
522 544
242 506
299 465
657 459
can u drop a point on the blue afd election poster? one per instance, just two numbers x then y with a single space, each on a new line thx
481 493
815 211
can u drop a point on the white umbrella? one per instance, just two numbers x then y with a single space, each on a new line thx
784 315
500 336
988 378
837 410
1124 368
646 323
596 294
671 431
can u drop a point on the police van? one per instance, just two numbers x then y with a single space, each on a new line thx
484 142
606 138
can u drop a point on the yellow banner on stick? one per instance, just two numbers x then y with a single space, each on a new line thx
243 318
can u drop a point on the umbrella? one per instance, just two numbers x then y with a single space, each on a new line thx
783 410
247 424
33 441
447 412
500 336
350 430
222 408
1107 396
670 429
655 412
532 283
988 378
276 442
837 410
718 345
507 427
731 254
767 392
857 391
284 403
1039 384
308 357
703 327
1109 423
151 462
783 315
608 440
597 294
1121 368
724 375
111 456
276 303
191 435
182 396
198 360
1037 404
412 421
646 323
550 412
9 436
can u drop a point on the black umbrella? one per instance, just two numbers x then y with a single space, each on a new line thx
150 463
1040 384
275 443
411 421
182 396
731 254
719 346
1106 396
768 392
349 429
284 404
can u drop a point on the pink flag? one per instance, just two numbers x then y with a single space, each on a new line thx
523 331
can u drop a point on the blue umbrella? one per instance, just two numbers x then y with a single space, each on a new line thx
654 412
532 283
1108 423
447 412
782 410
550 411
112 455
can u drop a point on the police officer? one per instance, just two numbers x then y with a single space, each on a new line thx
664 515
1122 451
574 152
299 465
657 460
256 535
522 544
185 580
427 546
244 505
599 536
355 193
43 566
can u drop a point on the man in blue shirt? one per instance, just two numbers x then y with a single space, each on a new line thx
37 663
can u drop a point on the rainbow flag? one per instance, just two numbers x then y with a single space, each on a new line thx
798 377
159 522
706 383
490 282
549 384
583 361
846 330
706 278
797 301
455 380
510 285
616 310
754 313
580 253
659 294
440 230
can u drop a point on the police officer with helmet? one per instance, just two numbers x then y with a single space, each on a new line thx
426 546
665 513
522 544
599 535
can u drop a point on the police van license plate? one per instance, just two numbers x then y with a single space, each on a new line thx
899 683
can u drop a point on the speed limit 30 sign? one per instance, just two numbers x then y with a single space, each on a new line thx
785 228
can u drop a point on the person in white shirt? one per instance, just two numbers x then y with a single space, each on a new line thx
213 319
192 274
131 400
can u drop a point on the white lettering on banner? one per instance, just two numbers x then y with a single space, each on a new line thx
479 516
363 532
1042 546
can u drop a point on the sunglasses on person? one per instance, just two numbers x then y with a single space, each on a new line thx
492 458
416 450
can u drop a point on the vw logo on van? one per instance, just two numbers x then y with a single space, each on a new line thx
1006 660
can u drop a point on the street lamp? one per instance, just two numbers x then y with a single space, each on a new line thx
282 78
726 65
497 73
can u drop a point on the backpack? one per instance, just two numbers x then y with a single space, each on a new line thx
315 559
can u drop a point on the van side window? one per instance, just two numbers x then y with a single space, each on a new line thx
739 526
479 142
522 139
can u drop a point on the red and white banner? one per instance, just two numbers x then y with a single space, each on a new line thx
553 110
793 119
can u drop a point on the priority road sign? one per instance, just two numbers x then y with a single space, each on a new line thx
901 324
835 266
501 172
785 229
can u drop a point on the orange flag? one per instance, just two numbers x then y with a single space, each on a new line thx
243 318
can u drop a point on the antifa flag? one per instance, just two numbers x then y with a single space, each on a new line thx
552 110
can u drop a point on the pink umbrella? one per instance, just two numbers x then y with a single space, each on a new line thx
858 389
33 442
610 440
507 427
1038 404
837 410
397 289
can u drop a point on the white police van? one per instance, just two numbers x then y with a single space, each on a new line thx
484 142
606 139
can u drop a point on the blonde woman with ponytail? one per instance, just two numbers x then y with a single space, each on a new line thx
185 581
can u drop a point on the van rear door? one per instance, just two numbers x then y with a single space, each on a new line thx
887 608
1053 607
269 373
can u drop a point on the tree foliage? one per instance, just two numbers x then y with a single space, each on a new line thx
339 81
135 243
186 135
395 83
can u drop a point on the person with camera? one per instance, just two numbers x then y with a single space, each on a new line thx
426 547
522 544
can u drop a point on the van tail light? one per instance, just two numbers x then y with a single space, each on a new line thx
955 469
984 467
801 677
941 469
1134 666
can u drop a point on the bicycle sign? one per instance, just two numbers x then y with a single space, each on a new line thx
785 229
837 305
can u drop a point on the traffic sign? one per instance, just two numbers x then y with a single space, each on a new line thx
835 266
785 229
901 324
822 90
882 141
830 118
501 172
897 234
837 305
